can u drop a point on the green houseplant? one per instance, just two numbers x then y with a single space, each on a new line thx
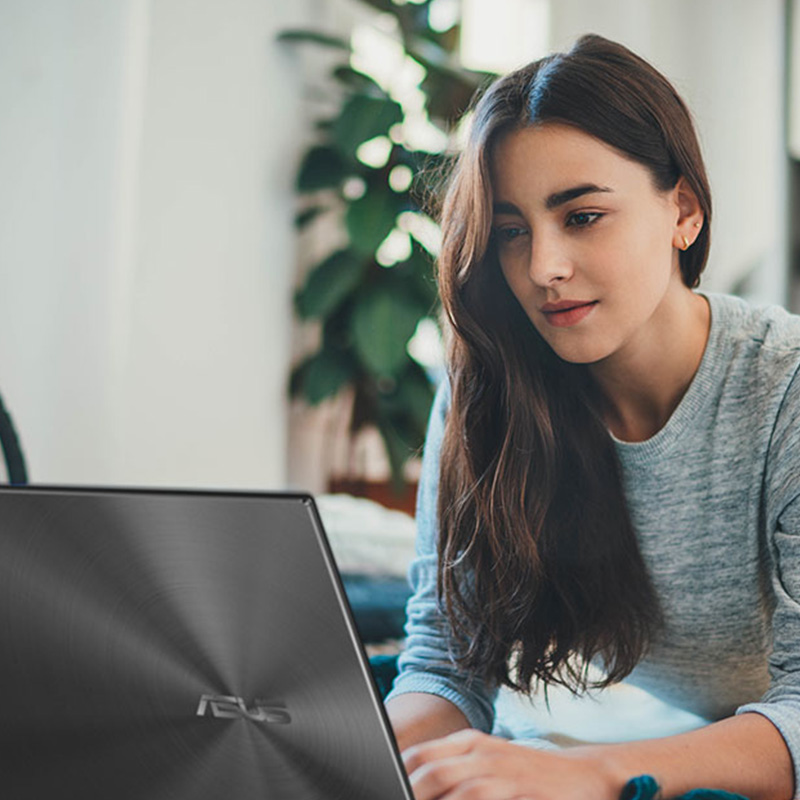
368 304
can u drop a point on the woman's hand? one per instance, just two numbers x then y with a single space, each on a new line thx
469 765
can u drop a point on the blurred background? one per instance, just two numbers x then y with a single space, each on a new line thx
195 220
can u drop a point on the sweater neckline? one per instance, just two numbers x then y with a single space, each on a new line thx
698 394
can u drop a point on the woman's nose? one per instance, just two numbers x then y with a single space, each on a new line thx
548 263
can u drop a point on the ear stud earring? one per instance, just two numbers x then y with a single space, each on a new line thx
697 224
685 243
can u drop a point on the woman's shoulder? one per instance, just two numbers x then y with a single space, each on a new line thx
763 329
756 359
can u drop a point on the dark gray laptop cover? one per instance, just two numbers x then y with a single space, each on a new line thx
181 645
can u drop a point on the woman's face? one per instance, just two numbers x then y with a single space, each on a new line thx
585 241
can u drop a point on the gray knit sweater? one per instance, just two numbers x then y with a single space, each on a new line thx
715 500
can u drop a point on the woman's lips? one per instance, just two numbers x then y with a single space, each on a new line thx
567 313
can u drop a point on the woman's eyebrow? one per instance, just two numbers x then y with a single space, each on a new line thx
559 198
554 200
506 208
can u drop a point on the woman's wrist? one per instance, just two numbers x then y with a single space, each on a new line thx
611 772
745 754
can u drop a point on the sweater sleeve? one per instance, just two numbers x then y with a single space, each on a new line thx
425 665
781 703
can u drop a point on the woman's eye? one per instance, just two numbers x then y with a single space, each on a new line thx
583 218
509 234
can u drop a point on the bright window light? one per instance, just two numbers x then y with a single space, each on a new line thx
423 229
500 35
354 187
375 152
400 178
378 52
426 347
395 247
443 14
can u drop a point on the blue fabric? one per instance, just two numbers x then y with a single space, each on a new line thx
645 787
384 670
378 603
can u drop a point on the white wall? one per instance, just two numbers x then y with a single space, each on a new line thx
794 81
147 153
726 58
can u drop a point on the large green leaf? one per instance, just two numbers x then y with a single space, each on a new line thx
409 400
446 40
384 319
383 5
358 82
336 326
413 18
321 375
402 416
415 396
371 218
448 88
418 271
329 284
308 215
397 450
431 172
364 118
314 37
322 168
423 161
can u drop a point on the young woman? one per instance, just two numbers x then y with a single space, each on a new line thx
612 472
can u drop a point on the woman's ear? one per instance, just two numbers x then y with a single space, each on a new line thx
690 216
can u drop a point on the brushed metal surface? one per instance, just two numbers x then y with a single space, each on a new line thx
120 610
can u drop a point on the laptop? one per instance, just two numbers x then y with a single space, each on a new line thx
176 645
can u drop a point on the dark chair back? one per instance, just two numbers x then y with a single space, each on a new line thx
12 452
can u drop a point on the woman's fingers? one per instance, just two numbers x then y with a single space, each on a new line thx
456 767
482 789
464 741
469 765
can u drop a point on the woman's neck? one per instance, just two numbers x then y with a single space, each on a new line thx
641 385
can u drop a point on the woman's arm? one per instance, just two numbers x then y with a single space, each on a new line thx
442 698
743 754
417 717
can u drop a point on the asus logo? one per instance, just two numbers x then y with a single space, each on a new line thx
223 706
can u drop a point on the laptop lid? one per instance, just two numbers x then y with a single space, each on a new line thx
186 645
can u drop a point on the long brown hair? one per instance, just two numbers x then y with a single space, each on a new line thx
539 566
